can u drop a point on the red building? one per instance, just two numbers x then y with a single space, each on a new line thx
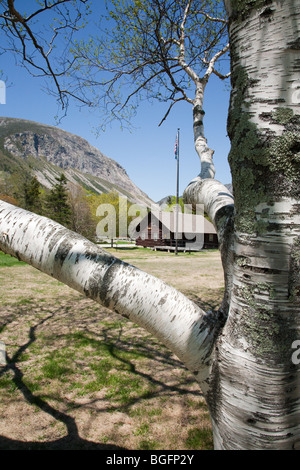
158 231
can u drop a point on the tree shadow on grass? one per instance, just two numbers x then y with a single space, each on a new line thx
116 344
72 441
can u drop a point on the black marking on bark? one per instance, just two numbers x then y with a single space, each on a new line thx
198 123
295 148
267 13
107 281
266 117
198 115
226 212
214 393
270 101
259 270
162 301
62 252
251 420
198 110
213 322
55 236
294 44
294 274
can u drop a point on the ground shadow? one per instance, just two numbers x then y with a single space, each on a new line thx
72 441
69 442
116 343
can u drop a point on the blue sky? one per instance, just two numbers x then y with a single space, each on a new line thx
147 151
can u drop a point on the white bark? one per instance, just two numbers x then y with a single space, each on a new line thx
215 197
257 405
255 387
162 310
255 47
218 203
203 151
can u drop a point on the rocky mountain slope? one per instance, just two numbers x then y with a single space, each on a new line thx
47 151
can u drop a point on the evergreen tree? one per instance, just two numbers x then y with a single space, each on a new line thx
57 205
32 195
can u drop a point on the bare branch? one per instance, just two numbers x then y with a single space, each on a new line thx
211 18
170 107
211 64
50 7
222 77
27 36
181 58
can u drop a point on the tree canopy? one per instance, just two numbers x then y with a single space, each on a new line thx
39 34
154 50
138 49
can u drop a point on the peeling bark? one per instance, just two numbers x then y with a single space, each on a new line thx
253 390
254 397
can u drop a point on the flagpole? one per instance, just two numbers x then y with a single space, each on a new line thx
177 193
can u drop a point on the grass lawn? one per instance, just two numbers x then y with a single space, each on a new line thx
81 377
6 260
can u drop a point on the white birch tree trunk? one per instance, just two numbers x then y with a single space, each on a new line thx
203 151
254 395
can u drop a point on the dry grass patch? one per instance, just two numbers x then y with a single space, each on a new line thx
81 377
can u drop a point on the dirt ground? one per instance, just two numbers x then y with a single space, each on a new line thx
81 377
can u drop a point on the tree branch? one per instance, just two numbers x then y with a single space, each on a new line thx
213 18
222 77
218 203
215 197
181 59
70 258
169 109
211 64
13 18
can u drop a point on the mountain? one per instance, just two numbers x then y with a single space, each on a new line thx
164 200
229 187
47 151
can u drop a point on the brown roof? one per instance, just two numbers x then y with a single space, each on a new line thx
187 223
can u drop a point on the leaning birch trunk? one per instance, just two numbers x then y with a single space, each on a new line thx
254 395
72 259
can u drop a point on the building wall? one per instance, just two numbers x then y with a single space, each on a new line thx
153 235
